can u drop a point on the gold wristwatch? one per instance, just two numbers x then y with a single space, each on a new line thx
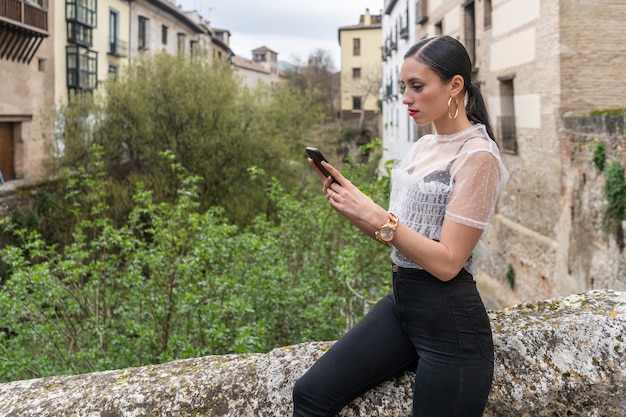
387 231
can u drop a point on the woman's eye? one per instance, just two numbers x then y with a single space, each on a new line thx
414 87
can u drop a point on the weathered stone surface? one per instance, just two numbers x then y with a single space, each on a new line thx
560 357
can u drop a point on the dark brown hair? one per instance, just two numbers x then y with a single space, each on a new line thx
447 57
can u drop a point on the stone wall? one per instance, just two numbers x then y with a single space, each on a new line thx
573 254
559 357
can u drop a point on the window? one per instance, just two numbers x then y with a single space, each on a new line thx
356 103
487 12
81 19
181 43
193 48
113 71
82 11
389 88
506 120
421 12
470 32
356 72
356 46
142 43
404 24
82 68
79 34
439 28
113 31
163 35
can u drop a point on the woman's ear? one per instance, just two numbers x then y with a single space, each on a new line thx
456 85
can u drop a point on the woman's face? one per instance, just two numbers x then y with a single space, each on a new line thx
425 94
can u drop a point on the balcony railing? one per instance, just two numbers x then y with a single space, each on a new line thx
28 15
118 48
23 26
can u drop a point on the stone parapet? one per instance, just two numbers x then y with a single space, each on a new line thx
558 357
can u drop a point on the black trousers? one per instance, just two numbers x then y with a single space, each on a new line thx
440 330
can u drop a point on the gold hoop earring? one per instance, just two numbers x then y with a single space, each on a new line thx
456 113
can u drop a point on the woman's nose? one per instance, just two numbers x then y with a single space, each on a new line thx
405 98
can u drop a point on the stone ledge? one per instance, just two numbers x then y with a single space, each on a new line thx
557 357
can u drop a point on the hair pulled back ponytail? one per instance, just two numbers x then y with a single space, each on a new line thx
476 109
447 57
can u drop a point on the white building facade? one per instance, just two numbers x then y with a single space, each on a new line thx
399 131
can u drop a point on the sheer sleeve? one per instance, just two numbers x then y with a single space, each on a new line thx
477 183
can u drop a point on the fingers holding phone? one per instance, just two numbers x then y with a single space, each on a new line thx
317 157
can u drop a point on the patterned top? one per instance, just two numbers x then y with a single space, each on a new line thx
457 177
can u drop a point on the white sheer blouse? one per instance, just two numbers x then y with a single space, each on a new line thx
457 177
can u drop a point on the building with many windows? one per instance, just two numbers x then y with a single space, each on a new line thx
398 31
360 67
91 41
27 86
100 36
536 62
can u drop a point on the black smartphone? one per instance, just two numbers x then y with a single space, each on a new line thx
317 157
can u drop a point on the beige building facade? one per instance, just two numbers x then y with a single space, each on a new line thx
361 67
26 87
249 72
91 42
96 38
162 26
537 62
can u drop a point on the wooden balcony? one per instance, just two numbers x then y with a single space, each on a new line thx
24 13
23 26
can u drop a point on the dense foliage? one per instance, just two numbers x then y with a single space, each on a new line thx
215 125
176 281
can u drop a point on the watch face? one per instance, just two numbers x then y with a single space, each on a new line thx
386 233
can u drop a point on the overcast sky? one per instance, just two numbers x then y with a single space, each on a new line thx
293 28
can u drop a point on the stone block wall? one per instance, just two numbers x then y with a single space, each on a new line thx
575 254
558 357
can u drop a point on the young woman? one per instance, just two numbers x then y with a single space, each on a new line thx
443 195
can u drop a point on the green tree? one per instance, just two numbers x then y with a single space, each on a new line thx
213 123
319 74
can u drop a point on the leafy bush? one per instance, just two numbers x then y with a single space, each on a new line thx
599 157
615 194
177 281
216 126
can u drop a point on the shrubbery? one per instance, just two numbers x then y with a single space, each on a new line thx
175 281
